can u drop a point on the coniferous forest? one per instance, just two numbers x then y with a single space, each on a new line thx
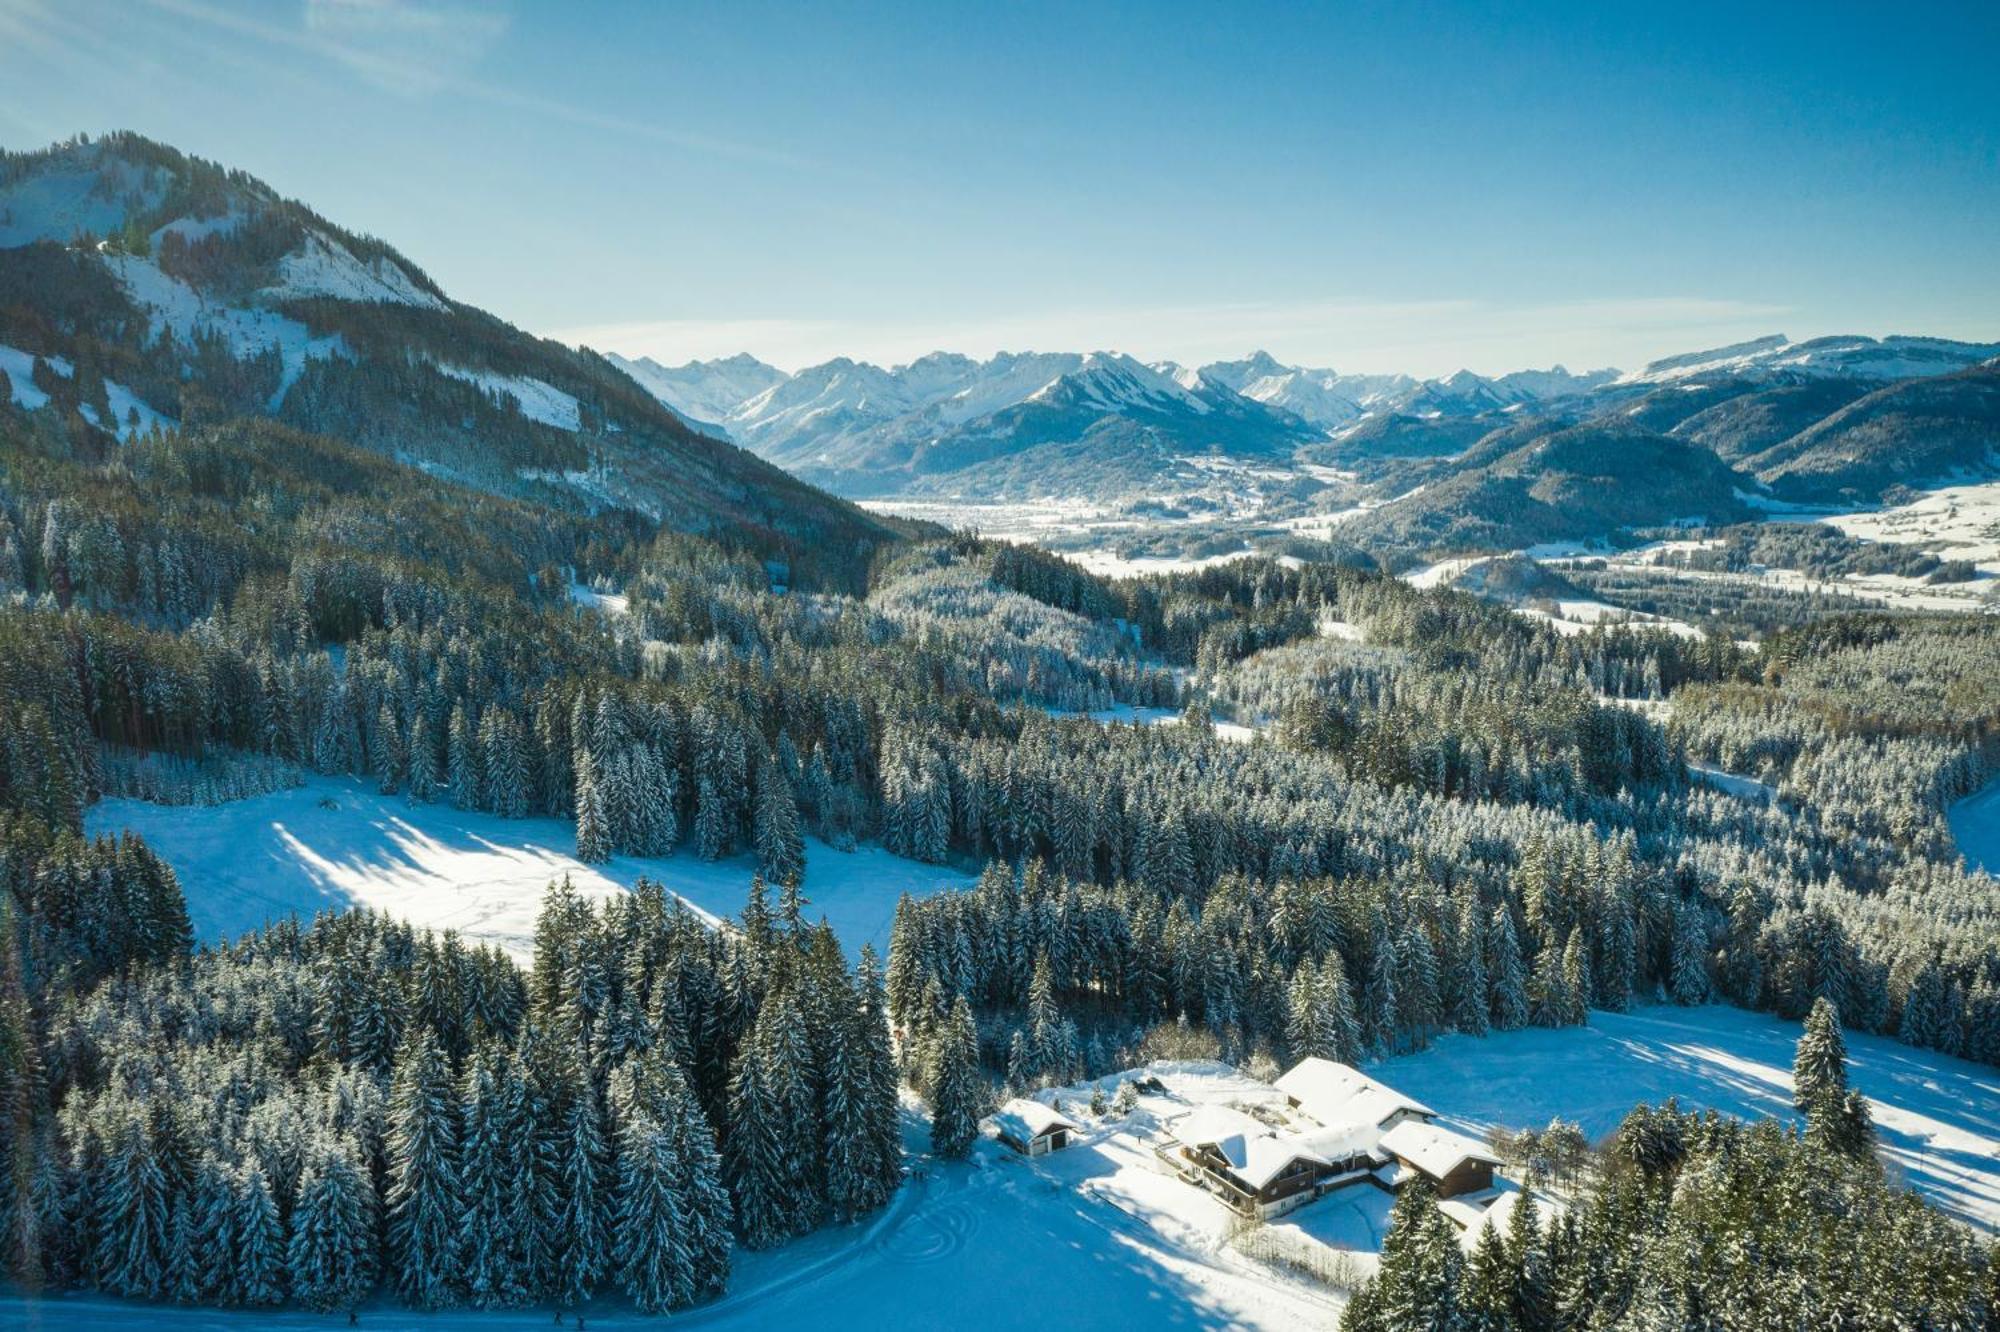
1463 823
1251 812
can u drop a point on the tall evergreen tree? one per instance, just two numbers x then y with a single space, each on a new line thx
331 1256
426 1194
1508 976
955 1085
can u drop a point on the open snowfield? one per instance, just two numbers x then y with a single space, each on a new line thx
336 843
1958 522
1938 1118
1975 826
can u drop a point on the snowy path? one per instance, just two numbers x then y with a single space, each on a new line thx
250 861
989 1243
1938 1118
1975 826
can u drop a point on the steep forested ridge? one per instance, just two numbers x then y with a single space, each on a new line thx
201 296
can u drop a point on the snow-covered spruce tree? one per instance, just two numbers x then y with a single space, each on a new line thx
462 767
711 821
1687 980
261 1264
1471 991
1486 1290
331 1257
1928 1017
1528 1260
495 1153
578 1241
504 760
1379 1031
780 850
130 1222
1418 1014
593 832
1416 1287
421 760
755 1151
706 1212
957 1093
1837 1119
783 1027
649 1247
879 1092
1819 1070
1507 973
426 1191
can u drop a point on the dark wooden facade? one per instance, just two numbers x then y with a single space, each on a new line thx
1468 1176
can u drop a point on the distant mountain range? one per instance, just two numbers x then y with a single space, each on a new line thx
950 424
140 286
1467 461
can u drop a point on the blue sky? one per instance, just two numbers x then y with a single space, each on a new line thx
1373 187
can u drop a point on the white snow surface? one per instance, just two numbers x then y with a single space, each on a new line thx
1749 788
336 843
538 401
60 205
1937 1118
325 267
1975 826
1846 356
172 304
20 367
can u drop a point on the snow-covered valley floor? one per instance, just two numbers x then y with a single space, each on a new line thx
1098 1236
1938 1118
336 843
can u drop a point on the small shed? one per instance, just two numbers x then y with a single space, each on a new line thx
1031 1128
1457 1163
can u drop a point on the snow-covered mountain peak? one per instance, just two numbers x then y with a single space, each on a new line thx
1845 356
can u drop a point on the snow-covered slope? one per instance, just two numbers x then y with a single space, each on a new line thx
703 392
196 282
1850 356
129 414
335 843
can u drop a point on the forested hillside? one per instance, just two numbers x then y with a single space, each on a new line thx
1455 823
142 287
1348 815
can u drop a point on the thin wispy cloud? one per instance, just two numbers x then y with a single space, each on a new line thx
412 49
424 51
1425 337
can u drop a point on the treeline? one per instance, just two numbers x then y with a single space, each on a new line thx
312 1113
1693 1221
1350 969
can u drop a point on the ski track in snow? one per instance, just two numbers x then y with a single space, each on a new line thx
250 861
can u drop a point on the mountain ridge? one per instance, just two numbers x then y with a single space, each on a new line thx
201 294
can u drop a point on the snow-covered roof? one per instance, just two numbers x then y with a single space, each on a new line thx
1025 1120
1256 1153
1342 1097
1435 1151
1337 1144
